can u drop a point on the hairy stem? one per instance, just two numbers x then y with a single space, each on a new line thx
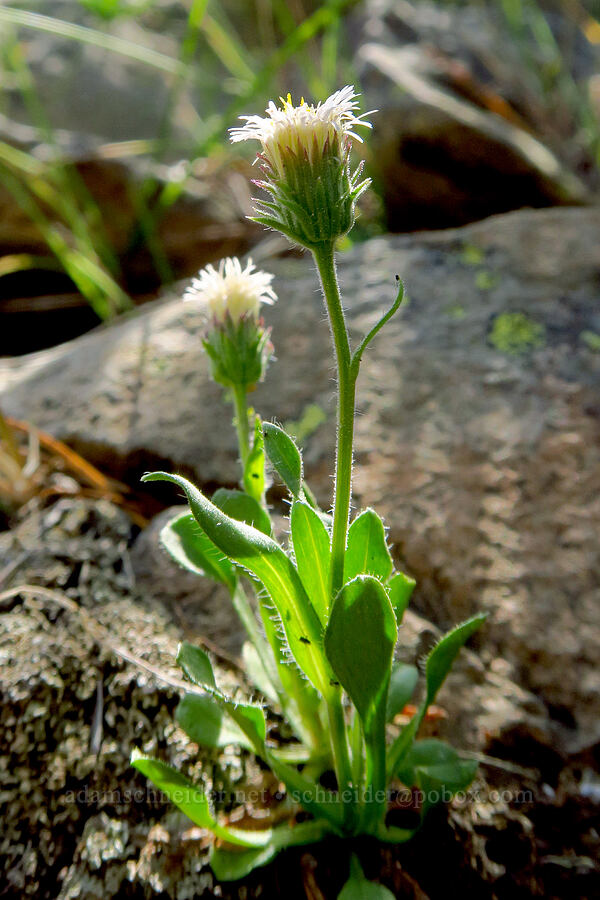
345 415
240 404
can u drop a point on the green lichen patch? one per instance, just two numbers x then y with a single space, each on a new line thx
516 334
591 340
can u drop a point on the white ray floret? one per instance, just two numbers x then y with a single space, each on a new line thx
304 129
231 289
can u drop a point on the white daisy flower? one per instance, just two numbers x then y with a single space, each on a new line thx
306 130
231 290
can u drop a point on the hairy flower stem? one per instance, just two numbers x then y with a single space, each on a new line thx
343 487
345 416
240 404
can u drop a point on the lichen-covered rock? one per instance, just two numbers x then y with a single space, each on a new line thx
477 436
72 711
78 821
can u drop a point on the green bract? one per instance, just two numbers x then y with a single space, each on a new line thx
323 620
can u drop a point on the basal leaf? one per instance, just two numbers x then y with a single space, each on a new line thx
312 551
242 508
206 723
367 552
231 866
187 544
439 662
263 557
249 718
428 752
400 588
192 801
254 470
448 778
284 456
196 664
190 798
440 659
402 685
359 642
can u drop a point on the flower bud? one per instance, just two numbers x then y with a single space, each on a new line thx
305 153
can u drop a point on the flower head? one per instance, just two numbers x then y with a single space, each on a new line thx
305 154
306 130
231 291
236 340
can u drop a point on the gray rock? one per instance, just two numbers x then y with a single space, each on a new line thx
483 459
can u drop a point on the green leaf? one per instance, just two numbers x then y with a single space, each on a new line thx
440 659
284 456
205 722
400 588
191 798
437 769
312 551
367 552
402 685
187 544
249 718
264 558
231 866
192 801
358 888
359 643
242 508
438 664
448 777
254 470
196 664
428 752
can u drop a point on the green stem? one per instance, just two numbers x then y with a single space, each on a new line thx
324 259
341 758
241 422
345 422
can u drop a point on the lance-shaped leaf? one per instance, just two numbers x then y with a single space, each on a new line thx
439 663
367 552
284 456
440 658
192 801
187 544
243 508
400 588
263 557
312 551
254 470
